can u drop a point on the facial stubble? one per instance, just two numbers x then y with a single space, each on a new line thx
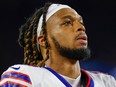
75 53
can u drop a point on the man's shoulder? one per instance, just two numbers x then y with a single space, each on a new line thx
100 75
19 70
103 78
21 73
22 68
15 75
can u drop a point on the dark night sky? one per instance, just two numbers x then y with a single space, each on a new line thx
99 17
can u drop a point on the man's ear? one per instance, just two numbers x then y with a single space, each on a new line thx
40 40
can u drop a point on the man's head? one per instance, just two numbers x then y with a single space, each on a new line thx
60 29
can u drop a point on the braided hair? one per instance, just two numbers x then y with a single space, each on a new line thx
28 38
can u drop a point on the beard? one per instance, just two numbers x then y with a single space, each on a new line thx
74 53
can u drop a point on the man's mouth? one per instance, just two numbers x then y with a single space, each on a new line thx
81 36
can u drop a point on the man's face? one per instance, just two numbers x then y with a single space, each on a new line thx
65 29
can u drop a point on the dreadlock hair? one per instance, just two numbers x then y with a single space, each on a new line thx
28 38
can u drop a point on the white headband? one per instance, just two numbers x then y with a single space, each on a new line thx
52 9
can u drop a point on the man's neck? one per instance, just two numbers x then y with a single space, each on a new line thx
65 68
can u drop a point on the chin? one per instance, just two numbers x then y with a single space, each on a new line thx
78 47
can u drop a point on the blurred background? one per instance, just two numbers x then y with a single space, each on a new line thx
100 21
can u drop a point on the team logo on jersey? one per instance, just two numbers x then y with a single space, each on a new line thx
16 68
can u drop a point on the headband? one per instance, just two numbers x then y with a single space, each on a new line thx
51 10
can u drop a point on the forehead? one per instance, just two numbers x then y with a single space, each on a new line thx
64 13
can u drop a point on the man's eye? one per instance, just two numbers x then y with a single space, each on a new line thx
68 23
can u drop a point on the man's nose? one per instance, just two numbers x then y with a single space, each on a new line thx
81 28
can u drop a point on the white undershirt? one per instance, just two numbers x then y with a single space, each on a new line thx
73 82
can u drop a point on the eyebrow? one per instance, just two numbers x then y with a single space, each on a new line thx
67 16
70 17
